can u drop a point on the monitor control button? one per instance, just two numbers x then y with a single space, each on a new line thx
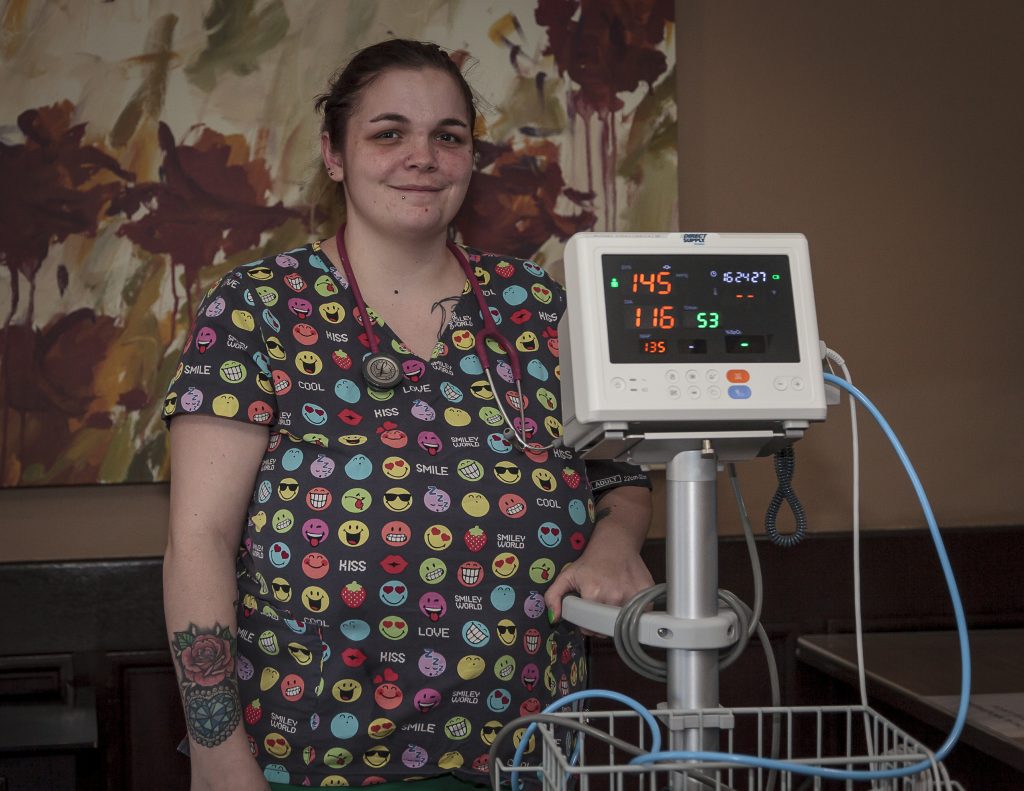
712 375
671 376
693 391
714 392
780 383
797 383
674 392
618 383
692 375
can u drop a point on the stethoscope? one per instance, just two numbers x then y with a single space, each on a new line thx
382 371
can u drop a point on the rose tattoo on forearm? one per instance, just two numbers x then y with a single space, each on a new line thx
205 662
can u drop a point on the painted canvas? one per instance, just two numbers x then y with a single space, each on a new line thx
148 146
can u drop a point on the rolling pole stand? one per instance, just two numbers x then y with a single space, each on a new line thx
691 576
693 627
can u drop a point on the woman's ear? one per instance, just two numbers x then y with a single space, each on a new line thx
332 161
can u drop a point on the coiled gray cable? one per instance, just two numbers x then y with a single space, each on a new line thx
785 464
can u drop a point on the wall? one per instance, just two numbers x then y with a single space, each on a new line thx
889 134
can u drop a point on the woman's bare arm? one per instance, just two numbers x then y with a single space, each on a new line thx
214 463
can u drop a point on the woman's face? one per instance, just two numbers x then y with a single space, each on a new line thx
407 156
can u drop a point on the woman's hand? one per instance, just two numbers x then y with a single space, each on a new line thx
610 570
227 767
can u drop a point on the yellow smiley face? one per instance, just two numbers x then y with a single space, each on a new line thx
348 690
308 363
276 745
332 312
225 405
261 273
463 339
470 667
475 504
353 533
243 320
505 565
281 589
451 759
288 489
376 757
544 479
527 341
482 390
437 537
507 472
381 728
397 499
268 678
275 349
396 468
316 599
300 653
456 417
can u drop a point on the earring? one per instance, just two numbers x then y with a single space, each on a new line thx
330 172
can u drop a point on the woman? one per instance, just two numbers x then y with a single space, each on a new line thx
357 572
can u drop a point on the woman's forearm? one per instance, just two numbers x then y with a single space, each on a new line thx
199 609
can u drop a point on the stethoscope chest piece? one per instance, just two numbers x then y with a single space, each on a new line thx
381 371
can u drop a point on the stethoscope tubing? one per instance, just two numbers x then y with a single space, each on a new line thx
489 330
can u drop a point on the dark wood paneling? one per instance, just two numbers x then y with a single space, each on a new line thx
153 723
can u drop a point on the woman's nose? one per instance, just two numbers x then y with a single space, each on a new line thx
422 154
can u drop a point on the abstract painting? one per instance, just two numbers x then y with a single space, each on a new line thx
147 147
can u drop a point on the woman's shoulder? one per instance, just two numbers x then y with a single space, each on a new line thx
509 267
293 269
277 266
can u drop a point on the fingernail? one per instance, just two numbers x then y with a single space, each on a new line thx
551 616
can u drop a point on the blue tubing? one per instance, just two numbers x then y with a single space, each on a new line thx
961 627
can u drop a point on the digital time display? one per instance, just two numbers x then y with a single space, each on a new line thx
715 308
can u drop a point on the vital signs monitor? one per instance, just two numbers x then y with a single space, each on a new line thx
717 331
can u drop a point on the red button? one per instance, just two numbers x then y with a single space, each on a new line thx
737 375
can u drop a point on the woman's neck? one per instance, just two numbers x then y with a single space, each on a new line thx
383 264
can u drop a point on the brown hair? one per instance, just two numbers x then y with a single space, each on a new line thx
344 89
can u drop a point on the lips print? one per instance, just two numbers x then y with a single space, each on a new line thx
394 564
350 417
353 657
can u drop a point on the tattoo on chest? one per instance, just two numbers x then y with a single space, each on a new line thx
445 306
205 662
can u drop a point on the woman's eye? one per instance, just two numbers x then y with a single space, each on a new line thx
448 137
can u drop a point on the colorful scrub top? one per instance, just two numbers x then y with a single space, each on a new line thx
397 546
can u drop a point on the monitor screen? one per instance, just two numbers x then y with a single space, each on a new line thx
710 308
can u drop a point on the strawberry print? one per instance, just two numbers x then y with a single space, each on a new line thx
253 712
342 359
353 594
571 477
475 539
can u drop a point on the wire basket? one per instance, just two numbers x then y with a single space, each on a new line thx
840 737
